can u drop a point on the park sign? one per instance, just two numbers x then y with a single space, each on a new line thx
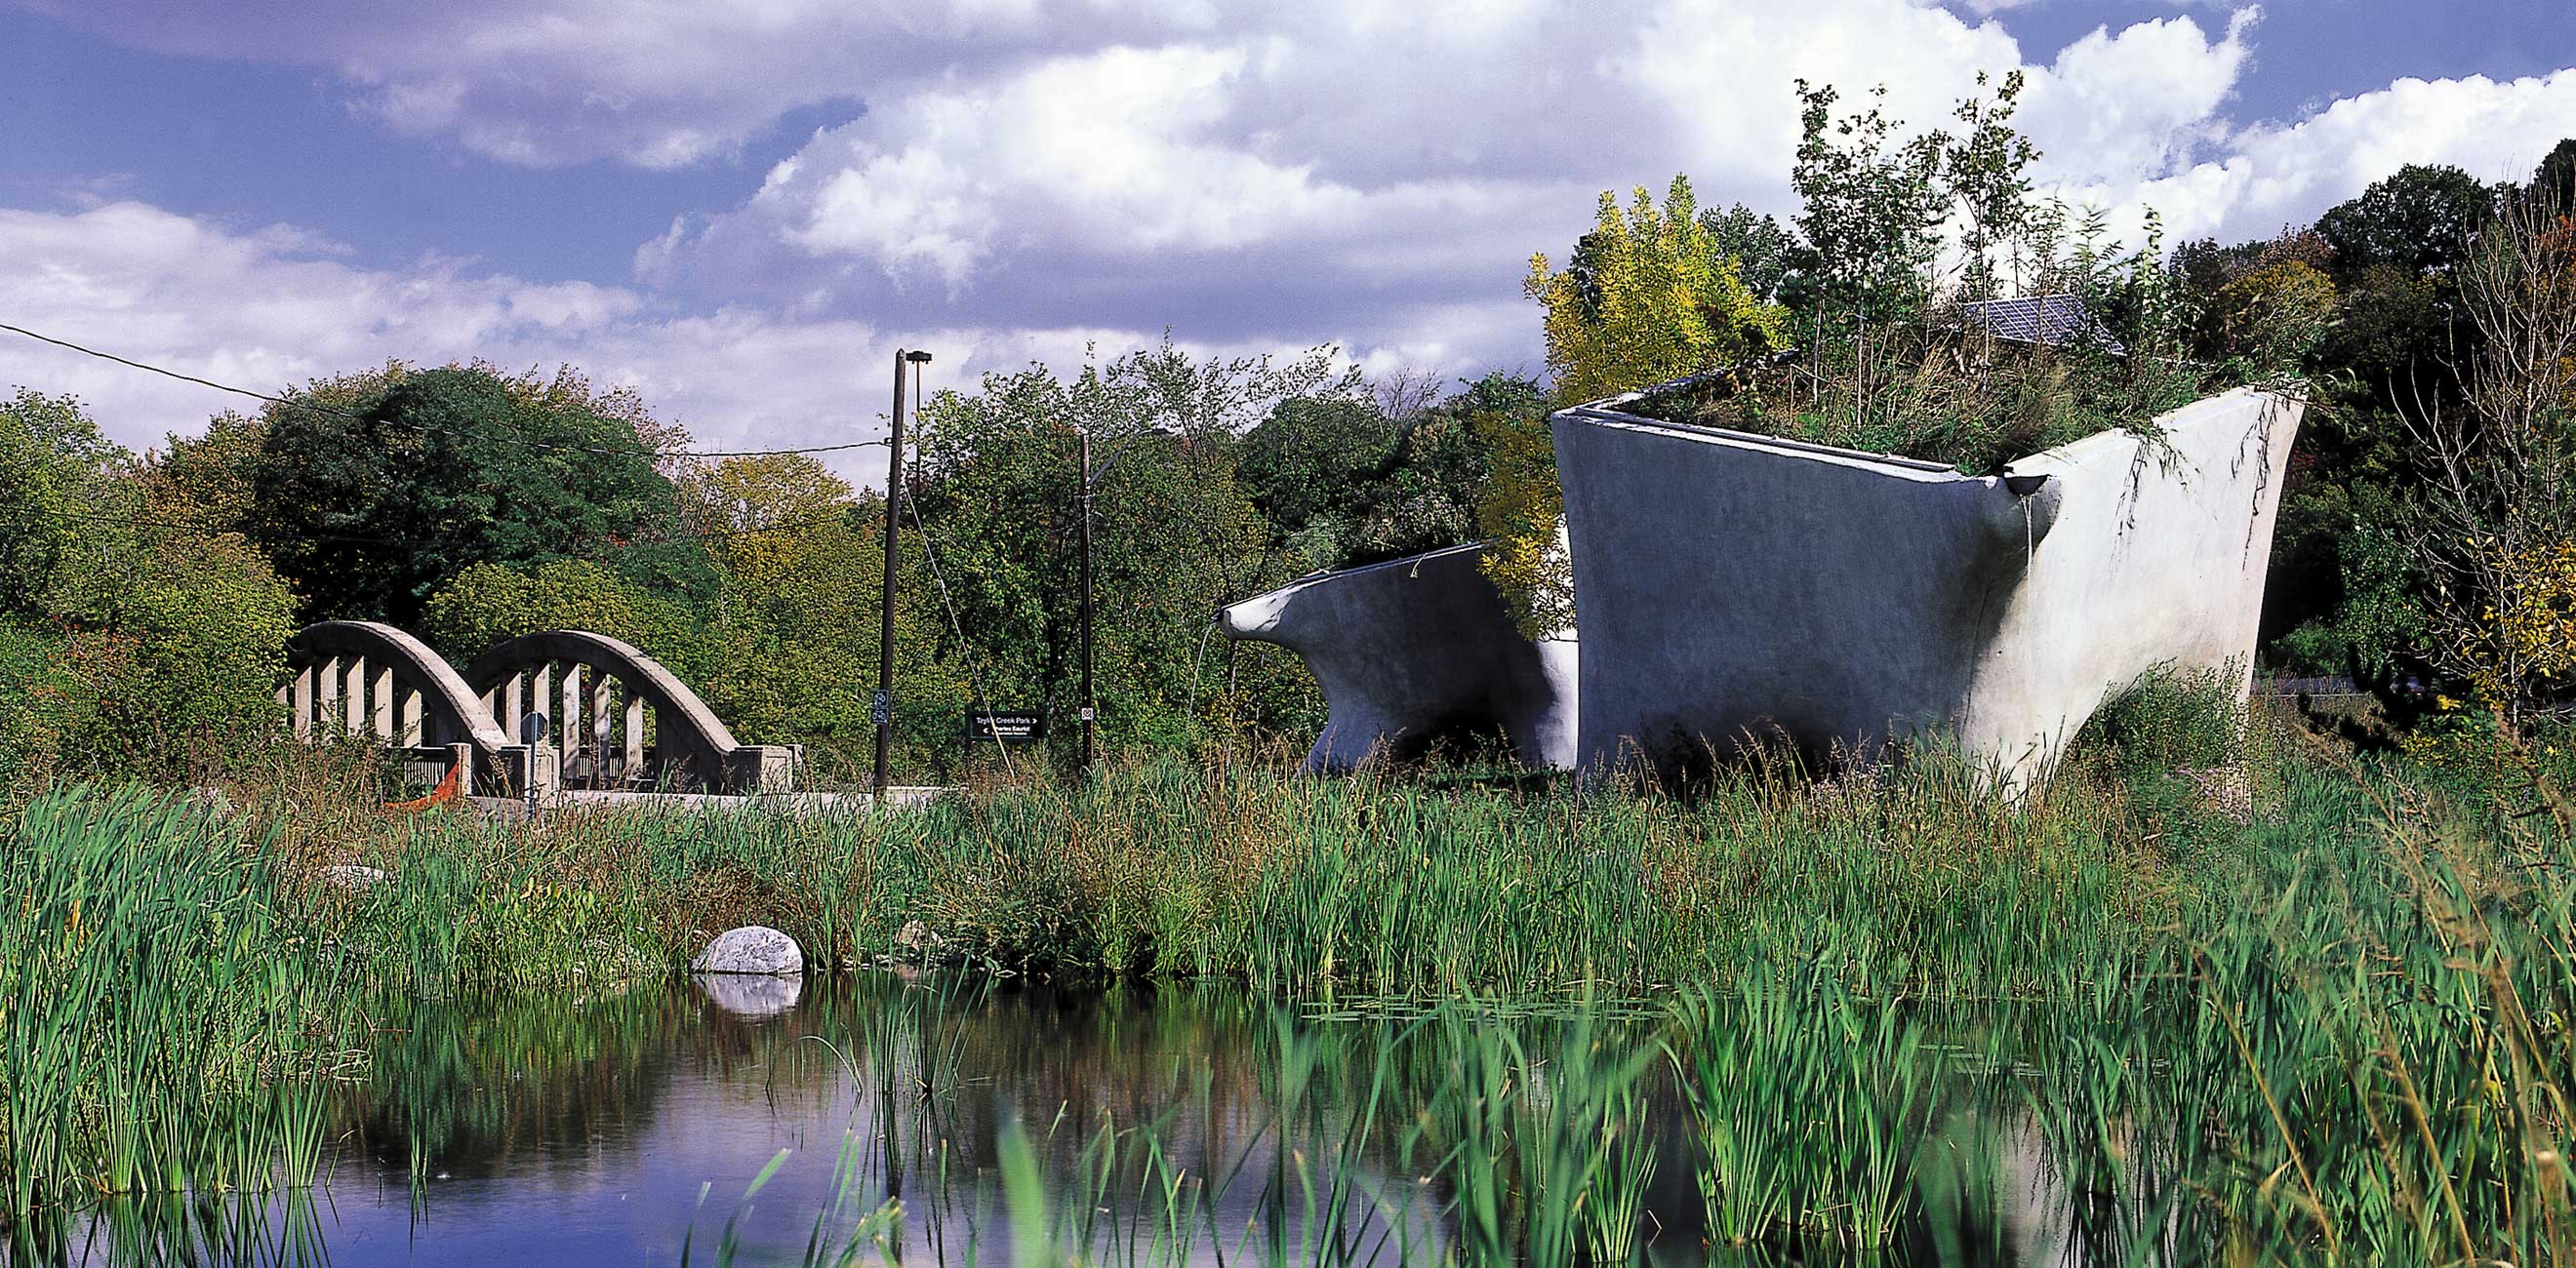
1017 726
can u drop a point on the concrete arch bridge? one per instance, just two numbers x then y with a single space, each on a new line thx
617 719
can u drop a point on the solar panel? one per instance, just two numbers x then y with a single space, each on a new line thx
2056 320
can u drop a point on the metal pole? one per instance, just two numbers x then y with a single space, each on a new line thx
1090 703
883 705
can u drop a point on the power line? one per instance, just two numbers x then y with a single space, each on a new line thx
147 521
316 407
965 650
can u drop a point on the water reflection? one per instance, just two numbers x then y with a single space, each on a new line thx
1173 1125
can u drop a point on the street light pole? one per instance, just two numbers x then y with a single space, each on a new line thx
1090 481
881 708
1090 703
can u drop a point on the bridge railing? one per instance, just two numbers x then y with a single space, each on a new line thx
623 719
618 719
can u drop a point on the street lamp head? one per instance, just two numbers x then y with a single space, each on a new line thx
917 357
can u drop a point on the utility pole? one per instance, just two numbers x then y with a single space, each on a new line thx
1090 703
1090 479
881 709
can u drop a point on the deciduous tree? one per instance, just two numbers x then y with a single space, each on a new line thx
2422 217
371 507
1655 300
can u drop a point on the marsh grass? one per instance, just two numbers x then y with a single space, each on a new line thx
162 1022
172 968
2335 1034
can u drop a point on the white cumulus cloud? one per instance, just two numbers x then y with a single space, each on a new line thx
269 309
1026 176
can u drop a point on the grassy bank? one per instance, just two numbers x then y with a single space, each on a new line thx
2332 1029
1386 885
1365 887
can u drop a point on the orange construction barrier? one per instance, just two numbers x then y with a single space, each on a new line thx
439 796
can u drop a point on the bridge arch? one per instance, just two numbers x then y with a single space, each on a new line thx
593 686
368 678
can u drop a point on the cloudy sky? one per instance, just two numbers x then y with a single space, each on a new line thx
742 208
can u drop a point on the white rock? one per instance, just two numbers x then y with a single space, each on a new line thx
352 876
755 950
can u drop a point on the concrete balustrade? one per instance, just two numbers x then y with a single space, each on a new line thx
368 679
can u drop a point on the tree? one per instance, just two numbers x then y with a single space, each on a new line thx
54 470
2212 284
206 478
1763 251
1174 529
371 507
1425 492
55 475
126 640
1985 185
1657 301
180 636
489 603
1312 467
802 566
2495 528
762 517
1872 212
2553 183
2276 315
2425 218
1518 511
40 703
2391 331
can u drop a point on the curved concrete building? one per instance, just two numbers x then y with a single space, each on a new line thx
1415 649
1731 586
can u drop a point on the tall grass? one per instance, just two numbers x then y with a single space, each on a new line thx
2336 1033
162 1030
1810 1107
1368 887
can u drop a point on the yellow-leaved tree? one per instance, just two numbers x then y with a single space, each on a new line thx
2278 313
1647 296
1517 510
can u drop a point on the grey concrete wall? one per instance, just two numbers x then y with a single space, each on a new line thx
1413 649
1730 586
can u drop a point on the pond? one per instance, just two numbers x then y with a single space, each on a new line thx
878 1117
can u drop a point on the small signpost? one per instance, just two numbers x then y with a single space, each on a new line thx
1014 726
532 733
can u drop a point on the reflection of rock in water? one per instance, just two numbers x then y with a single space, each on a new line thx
747 996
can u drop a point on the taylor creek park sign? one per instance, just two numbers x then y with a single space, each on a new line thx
1011 726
